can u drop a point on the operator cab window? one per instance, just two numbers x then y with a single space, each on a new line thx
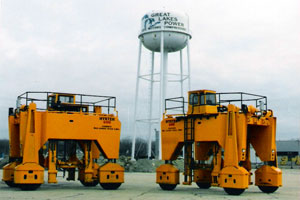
66 99
202 102
210 99
194 99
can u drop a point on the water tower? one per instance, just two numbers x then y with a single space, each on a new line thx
164 32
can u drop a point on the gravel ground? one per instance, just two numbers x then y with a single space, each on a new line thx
143 186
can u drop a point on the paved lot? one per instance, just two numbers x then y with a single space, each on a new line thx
142 186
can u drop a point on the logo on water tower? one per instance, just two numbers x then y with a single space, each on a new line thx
149 22
164 21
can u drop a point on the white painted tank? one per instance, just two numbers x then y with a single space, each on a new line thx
175 27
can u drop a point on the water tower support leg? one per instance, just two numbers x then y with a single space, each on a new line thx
161 92
181 74
188 63
150 106
136 100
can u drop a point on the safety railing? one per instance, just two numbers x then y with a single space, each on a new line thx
179 105
42 100
243 98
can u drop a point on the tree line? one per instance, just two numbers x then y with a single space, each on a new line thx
4 147
141 147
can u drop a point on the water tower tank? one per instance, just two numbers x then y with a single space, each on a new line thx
175 26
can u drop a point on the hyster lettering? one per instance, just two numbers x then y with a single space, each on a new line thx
107 118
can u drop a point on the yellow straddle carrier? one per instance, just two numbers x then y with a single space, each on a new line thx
50 130
216 136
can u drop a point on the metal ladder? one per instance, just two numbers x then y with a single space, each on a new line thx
189 129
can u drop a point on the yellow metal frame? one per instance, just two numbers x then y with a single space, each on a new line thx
231 132
30 129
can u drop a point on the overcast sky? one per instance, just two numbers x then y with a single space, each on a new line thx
91 47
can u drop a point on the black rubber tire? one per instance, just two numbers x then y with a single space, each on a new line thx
203 185
234 191
28 187
89 184
167 186
268 189
11 184
110 186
